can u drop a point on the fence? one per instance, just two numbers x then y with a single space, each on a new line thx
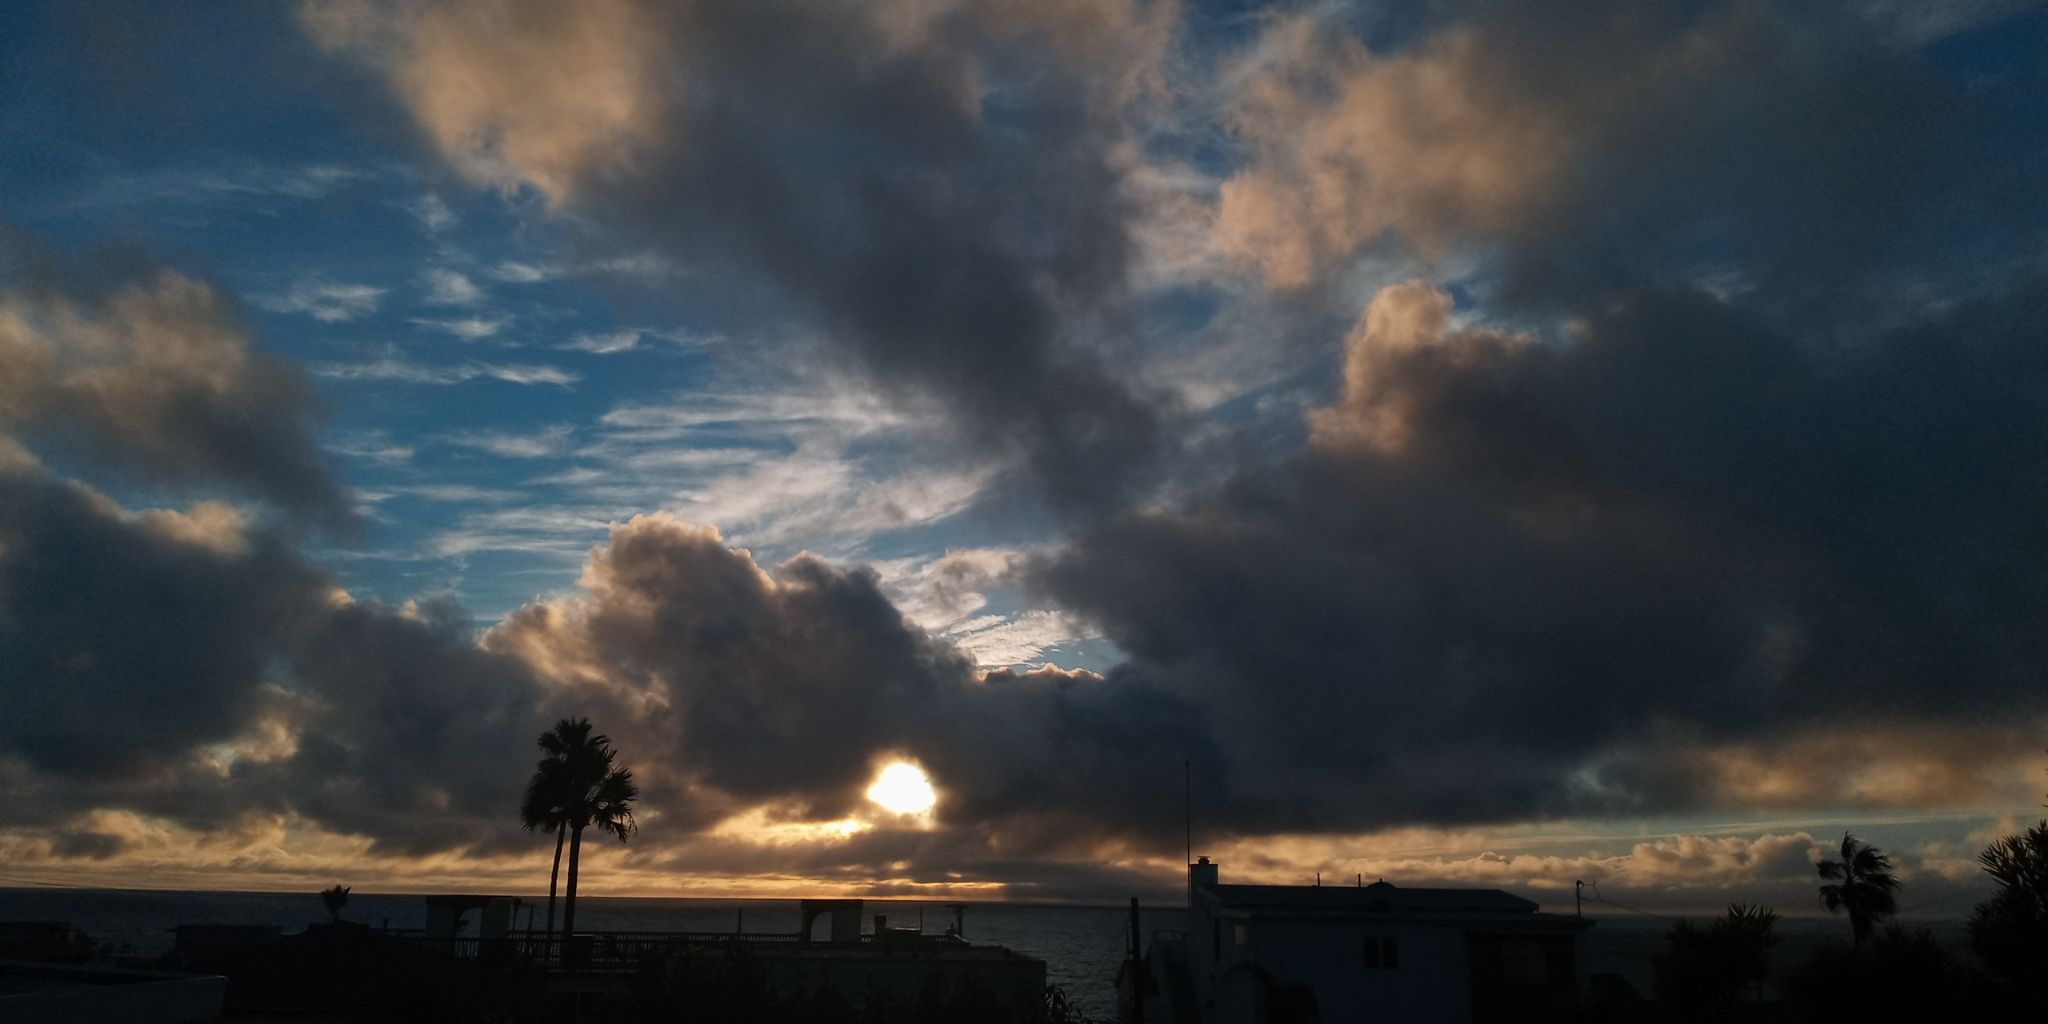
594 951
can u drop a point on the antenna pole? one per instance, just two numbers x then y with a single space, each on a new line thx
1187 804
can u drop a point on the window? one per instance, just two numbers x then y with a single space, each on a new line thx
1382 953
1242 935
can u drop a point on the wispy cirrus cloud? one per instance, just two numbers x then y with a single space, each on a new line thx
552 440
404 371
446 287
469 328
517 272
432 212
217 184
994 641
325 301
604 344
644 266
375 446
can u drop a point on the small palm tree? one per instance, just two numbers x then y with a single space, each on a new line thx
1862 884
334 899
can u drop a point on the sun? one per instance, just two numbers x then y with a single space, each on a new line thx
903 788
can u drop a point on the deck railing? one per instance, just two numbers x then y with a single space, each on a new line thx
608 950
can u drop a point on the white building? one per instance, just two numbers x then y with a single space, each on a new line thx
1273 953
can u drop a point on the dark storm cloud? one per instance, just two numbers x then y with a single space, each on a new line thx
135 648
411 734
86 845
941 187
735 688
191 663
189 666
154 372
1503 559
124 644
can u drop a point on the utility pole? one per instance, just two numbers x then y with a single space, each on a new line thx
1187 804
1578 898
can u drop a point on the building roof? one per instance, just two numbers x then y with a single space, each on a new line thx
1377 897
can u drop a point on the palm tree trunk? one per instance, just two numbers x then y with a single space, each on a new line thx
554 874
569 899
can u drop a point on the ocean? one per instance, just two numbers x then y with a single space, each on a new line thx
1081 945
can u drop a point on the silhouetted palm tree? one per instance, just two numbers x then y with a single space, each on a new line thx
334 899
572 758
576 785
545 808
2009 931
1862 884
606 806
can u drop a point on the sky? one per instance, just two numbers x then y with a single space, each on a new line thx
1457 442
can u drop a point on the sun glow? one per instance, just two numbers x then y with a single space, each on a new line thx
903 788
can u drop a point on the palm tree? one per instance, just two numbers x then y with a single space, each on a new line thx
1862 884
576 785
569 753
545 809
334 899
607 806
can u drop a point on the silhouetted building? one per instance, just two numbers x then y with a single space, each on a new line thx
49 942
1341 953
80 994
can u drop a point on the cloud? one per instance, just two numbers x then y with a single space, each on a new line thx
189 665
738 687
998 640
449 288
961 225
1615 142
132 642
942 591
468 328
1634 516
816 463
395 368
159 377
326 302
488 84
604 344
284 728
432 212
1634 569
516 272
374 446
548 441
216 184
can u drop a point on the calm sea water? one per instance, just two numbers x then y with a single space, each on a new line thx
1081 946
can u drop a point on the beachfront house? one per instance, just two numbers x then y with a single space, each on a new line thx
1375 952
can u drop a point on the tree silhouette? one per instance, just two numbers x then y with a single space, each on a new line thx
567 750
576 786
1862 884
2009 931
334 899
1705 970
606 806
